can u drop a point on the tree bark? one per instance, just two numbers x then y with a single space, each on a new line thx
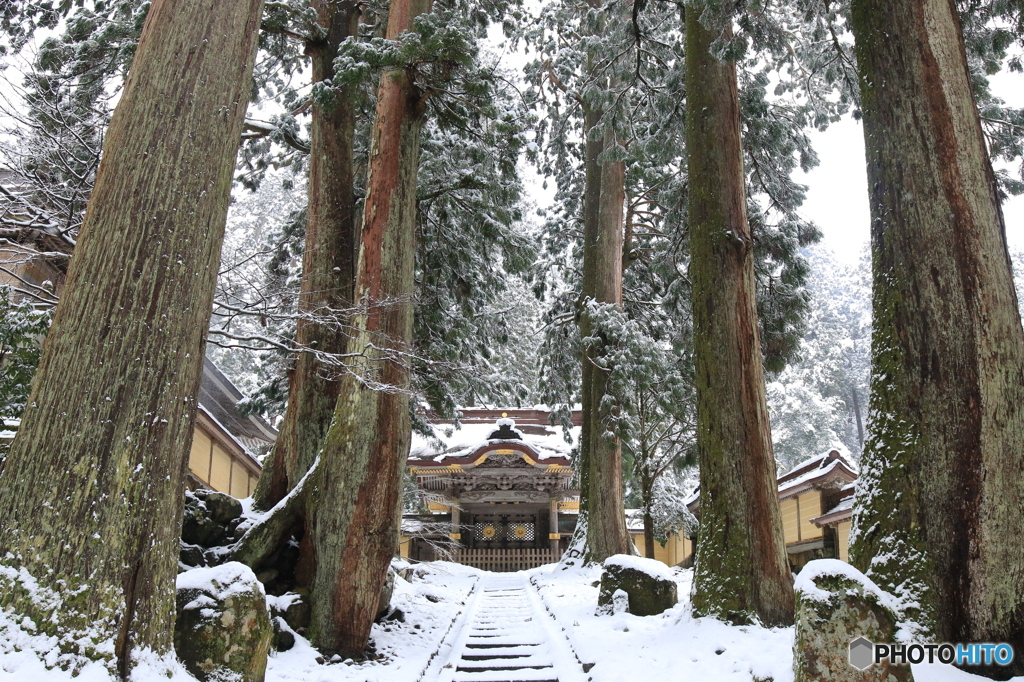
328 267
90 494
742 571
648 529
356 526
602 283
857 415
593 146
941 497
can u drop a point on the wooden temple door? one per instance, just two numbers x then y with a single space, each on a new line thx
505 531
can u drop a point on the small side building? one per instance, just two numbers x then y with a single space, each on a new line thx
816 501
224 442
678 547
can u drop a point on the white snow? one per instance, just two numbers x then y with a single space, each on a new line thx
834 567
546 617
458 442
651 567
222 581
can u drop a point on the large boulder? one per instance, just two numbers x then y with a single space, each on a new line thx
840 614
648 585
220 507
223 631
210 518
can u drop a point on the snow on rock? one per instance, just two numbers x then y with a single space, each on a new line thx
835 604
651 567
223 629
820 568
223 581
649 585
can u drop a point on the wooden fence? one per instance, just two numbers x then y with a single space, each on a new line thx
506 560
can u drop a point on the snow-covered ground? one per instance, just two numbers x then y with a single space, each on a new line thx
453 614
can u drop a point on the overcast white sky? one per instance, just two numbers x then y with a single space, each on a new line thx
837 199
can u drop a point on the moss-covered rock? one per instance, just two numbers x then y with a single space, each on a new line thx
836 606
648 584
223 630
220 507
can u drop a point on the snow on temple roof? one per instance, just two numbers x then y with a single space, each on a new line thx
459 442
814 469
829 465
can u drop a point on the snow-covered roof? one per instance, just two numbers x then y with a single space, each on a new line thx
840 512
803 476
454 442
821 470
220 398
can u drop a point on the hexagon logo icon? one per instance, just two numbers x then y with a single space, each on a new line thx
862 653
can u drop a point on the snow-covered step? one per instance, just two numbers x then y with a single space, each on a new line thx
507 637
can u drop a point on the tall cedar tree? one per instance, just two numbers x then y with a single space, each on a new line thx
941 498
365 450
742 572
102 447
328 262
600 447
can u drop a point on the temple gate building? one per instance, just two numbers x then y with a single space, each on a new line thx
503 499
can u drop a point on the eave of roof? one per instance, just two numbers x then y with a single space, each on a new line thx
220 433
478 455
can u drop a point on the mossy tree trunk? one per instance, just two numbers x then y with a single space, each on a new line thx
941 498
90 494
328 266
742 571
356 525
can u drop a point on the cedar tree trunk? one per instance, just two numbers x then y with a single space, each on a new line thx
90 494
602 282
593 147
941 497
328 267
742 572
355 528
648 529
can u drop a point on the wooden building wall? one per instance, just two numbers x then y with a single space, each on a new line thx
675 550
797 513
843 540
218 468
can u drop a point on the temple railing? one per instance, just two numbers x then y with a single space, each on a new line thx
506 560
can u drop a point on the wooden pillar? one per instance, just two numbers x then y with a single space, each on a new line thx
553 535
456 532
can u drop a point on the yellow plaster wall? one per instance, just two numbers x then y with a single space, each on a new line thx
220 472
403 547
239 480
199 456
675 550
218 469
810 508
843 540
790 520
